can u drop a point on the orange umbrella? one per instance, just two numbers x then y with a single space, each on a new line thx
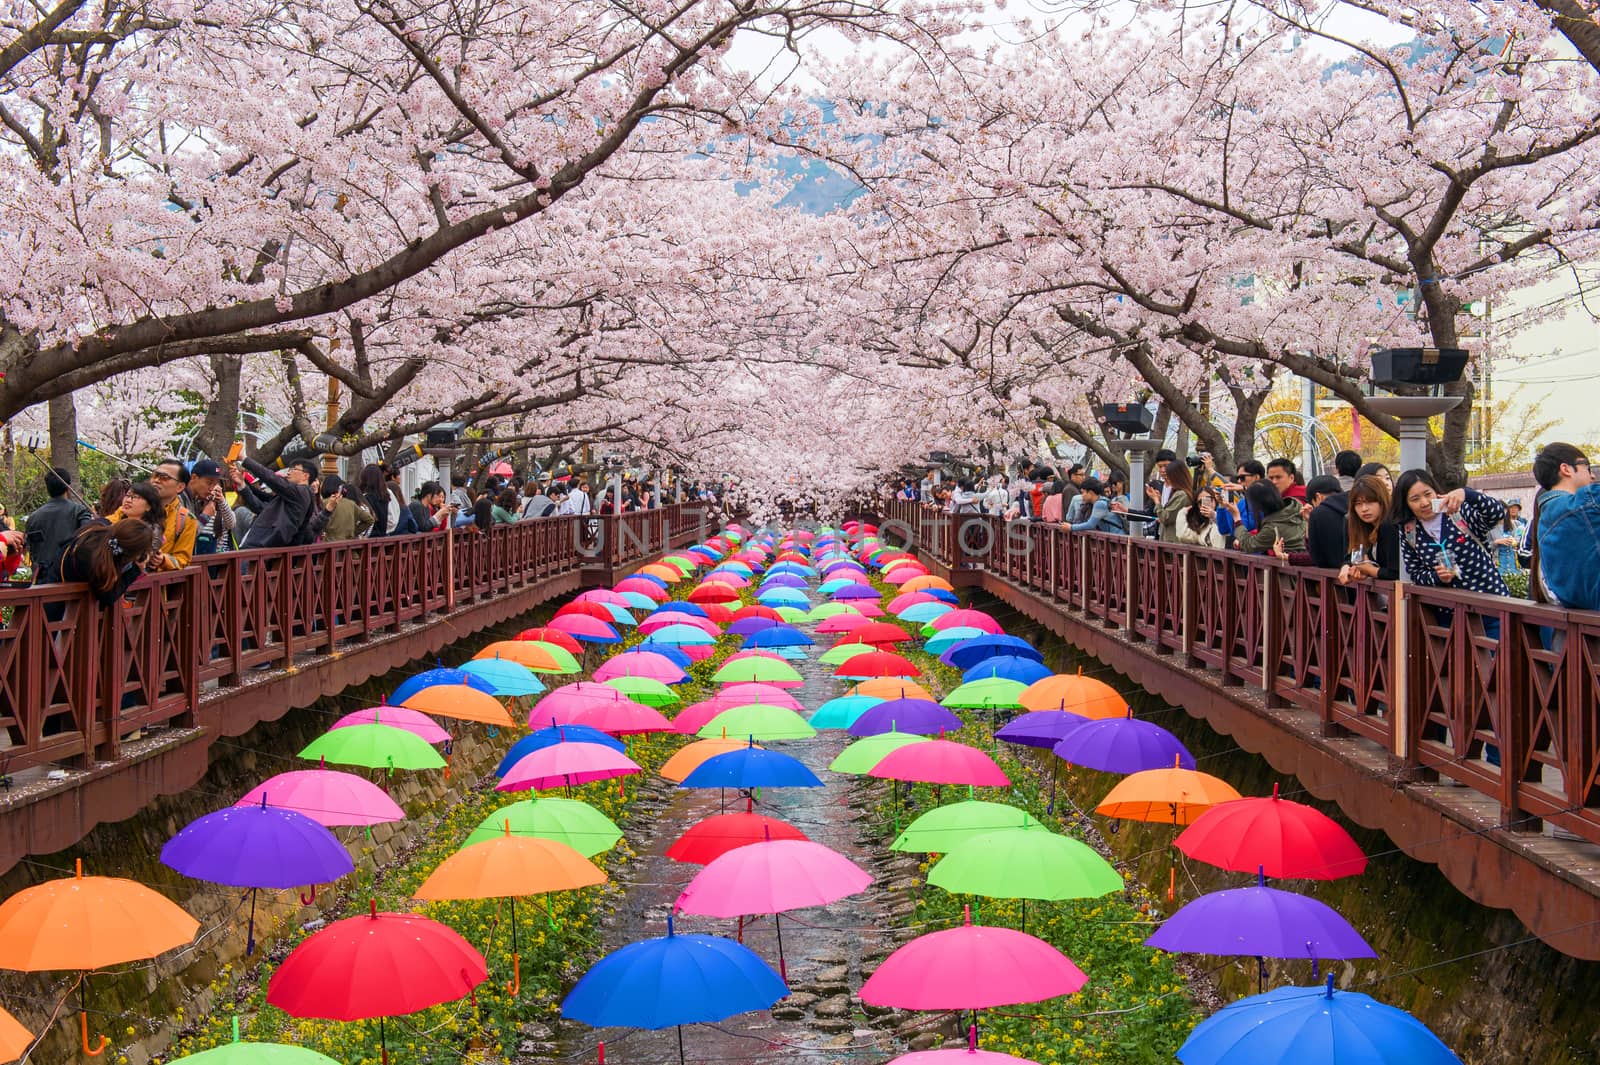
14 1039
1075 694
927 580
524 653
670 574
506 867
688 758
462 703
891 688
1173 796
88 922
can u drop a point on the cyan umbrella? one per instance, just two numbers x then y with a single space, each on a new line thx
922 613
680 635
673 981
1313 1026
944 639
843 711
784 597
507 677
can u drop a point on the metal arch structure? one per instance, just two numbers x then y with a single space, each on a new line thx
1324 445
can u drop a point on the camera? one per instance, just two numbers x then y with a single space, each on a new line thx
1194 462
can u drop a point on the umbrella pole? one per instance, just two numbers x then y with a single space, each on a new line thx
250 934
680 1044
1051 808
383 1041
515 986
1024 915
783 966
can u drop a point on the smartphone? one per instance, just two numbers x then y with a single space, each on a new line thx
234 452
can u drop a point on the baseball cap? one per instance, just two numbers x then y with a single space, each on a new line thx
205 468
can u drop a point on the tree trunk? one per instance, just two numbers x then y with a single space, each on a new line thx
1175 402
1448 460
221 426
1248 405
64 434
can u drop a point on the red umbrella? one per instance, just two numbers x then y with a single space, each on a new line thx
721 613
545 634
645 587
879 632
756 610
715 836
377 965
1285 840
588 609
877 664
713 593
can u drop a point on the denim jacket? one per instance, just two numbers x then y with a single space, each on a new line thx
1569 546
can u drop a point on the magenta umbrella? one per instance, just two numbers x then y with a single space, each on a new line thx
647 664
954 1056
661 621
976 619
622 718
401 717
771 877
585 628
565 765
603 595
560 706
971 967
946 762
327 796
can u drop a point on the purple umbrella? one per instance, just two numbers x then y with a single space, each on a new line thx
749 626
1040 728
784 580
857 591
257 847
1123 745
920 716
1260 921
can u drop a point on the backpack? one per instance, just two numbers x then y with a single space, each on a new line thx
406 523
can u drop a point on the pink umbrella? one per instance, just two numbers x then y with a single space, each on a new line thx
771 877
843 623
643 587
641 664
953 1056
946 762
698 652
867 608
972 967
976 619
661 621
603 595
401 717
501 469
583 627
750 691
567 764
728 577
622 718
902 574
909 599
755 652
327 796
560 705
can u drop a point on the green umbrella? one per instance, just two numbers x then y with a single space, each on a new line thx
577 824
562 657
375 747
793 614
1018 863
990 692
942 829
861 756
643 690
755 669
840 653
823 611
684 565
760 722
240 1053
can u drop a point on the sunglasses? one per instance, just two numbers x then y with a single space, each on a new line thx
159 476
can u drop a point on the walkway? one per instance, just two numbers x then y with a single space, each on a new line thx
1377 700
104 709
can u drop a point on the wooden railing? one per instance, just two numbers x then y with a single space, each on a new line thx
75 677
1499 694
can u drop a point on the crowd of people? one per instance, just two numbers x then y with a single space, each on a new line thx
1359 520
183 512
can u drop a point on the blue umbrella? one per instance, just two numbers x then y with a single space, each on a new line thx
429 678
1007 667
549 737
942 595
843 711
779 636
752 767
970 652
672 653
680 606
673 981
508 678
1313 1026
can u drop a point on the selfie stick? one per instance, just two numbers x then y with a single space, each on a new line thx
30 450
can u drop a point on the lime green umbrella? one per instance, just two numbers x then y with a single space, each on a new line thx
823 611
241 1053
684 565
375 747
644 690
941 829
562 657
840 653
760 722
1018 863
577 824
757 669
793 614
988 693
861 756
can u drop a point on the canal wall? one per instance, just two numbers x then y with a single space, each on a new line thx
1475 975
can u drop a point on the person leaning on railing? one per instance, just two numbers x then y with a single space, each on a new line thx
111 557
1095 502
1444 536
1373 542
1564 535
1197 524
1282 530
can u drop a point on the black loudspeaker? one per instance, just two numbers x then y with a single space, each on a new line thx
1134 418
445 434
1417 366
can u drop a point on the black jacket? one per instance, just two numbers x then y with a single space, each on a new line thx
51 528
283 509
1327 536
75 567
